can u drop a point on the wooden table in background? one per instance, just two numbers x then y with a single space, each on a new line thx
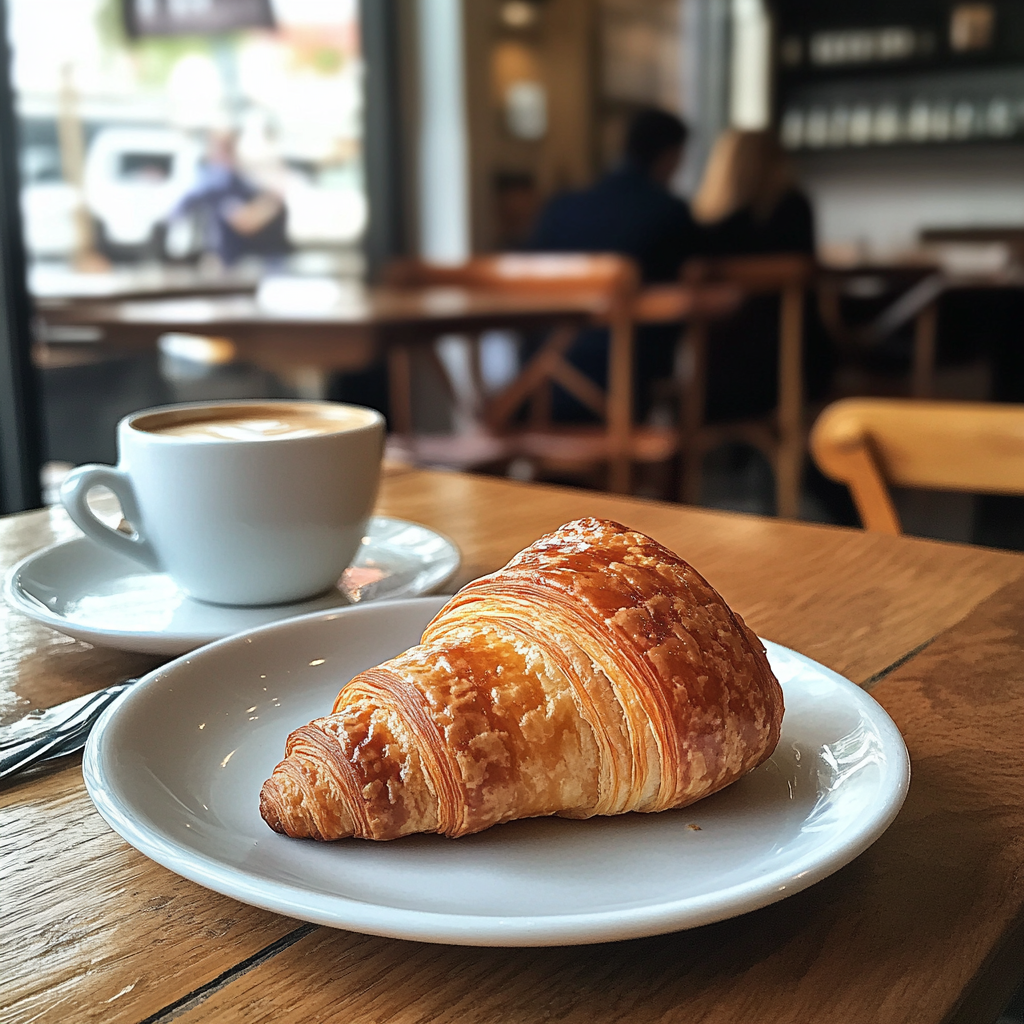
57 284
348 334
926 926
919 285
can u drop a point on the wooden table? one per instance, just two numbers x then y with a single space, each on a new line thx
56 283
363 324
926 926
920 285
304 342
346 334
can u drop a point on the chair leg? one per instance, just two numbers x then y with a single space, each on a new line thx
620 404
694 395
693 475
619 474
540 406
789 466
790 453
400 388
923 373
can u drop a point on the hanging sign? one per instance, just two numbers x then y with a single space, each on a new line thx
144 18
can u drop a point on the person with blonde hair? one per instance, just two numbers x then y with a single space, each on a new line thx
749 202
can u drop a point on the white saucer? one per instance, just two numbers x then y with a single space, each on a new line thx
177 764
96 595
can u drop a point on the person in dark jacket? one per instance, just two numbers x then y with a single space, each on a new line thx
629 211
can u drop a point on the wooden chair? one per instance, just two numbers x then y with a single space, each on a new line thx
912 296
869 443
782 435
501 433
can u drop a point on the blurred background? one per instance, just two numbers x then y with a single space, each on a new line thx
287 152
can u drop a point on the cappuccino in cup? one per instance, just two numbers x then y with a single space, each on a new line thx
264 424
241 503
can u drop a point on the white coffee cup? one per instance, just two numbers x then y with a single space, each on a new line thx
241 503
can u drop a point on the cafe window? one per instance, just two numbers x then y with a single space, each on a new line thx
118 112
168 151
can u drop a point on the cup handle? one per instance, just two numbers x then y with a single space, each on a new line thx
75 489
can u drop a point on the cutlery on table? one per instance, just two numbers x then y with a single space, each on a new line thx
55 731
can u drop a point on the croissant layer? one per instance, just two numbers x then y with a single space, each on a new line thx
596 673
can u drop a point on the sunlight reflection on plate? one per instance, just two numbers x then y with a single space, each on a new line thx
143 603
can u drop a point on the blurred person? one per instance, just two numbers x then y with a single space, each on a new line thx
749 203
239 217
629 211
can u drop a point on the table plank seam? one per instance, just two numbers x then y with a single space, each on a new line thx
199 995
874 680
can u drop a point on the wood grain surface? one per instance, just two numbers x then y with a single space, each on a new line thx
91 930
856 602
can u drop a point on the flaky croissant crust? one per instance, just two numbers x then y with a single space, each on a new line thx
596 673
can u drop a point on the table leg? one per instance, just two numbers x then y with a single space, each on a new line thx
400 388
694 393
789 456
922 383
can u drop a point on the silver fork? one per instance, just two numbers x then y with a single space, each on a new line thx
55 731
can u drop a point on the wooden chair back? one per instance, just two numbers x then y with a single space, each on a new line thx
523 272
788 275
870 443
754 274
614 277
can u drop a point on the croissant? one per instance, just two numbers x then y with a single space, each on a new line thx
596 673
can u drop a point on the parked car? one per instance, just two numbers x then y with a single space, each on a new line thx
133 179
135 176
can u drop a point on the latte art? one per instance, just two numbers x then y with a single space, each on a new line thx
262 425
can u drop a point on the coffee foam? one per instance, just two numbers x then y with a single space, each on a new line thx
260 423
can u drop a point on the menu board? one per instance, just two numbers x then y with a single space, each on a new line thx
194 17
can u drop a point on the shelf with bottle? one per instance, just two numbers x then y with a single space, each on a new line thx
920 121
977 106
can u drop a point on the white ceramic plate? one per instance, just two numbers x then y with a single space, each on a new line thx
177 765
97 595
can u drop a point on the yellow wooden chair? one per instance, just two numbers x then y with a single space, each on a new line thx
870 443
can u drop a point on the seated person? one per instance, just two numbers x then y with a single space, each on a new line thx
629 211
749 204
240 218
